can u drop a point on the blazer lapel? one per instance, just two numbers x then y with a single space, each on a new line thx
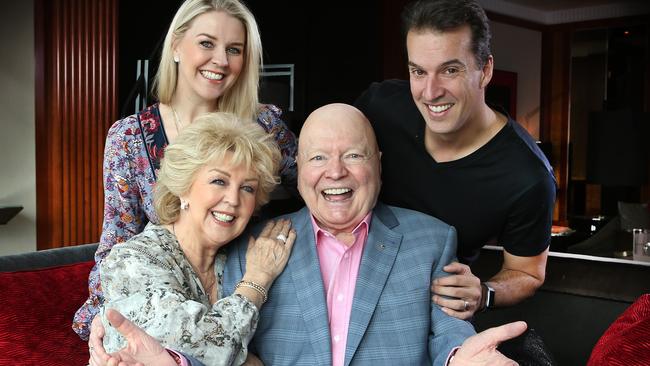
377 261
304 268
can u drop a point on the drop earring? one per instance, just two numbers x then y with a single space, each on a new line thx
184 205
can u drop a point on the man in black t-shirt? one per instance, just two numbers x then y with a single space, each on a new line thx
448 154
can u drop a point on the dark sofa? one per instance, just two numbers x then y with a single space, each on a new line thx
39 293
581 297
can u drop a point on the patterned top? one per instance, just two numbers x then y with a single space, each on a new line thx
134 148
150 281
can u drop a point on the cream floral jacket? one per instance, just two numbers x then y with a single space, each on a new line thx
150 281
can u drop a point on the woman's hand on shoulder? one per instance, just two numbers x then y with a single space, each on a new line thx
267 255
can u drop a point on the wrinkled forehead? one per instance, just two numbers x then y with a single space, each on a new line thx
337 128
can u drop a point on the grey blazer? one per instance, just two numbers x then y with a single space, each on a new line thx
393 321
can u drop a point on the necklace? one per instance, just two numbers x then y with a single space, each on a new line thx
208 287
177 120
210 290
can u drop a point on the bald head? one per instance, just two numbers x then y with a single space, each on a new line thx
337 118
338 167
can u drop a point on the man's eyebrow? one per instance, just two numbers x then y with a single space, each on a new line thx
455 61
309 151
444 64
411 63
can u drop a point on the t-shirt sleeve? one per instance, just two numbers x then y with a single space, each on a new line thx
528 230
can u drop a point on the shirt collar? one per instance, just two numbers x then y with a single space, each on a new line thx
363 225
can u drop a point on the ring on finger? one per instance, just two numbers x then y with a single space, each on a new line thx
282 238
466 305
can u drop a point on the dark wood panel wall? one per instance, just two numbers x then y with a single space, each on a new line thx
554 109
76 102
556 102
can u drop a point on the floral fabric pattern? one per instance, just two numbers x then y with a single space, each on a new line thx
151 282
134 147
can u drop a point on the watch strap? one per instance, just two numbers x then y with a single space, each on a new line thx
487 296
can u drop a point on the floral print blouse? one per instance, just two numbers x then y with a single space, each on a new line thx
150 281
134 148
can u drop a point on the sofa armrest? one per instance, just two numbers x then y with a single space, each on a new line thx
48 258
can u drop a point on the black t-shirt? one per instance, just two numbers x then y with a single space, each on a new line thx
501 194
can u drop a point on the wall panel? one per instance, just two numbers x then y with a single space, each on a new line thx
76 102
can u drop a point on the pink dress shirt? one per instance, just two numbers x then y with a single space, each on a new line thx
339 266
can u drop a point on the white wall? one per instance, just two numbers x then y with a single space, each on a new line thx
520 50
17 146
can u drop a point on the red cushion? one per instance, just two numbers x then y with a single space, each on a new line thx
36 309
627 340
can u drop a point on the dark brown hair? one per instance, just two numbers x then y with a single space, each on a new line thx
443 15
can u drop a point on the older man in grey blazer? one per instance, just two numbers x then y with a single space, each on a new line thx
356 288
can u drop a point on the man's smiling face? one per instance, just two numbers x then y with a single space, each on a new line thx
338 167
446 83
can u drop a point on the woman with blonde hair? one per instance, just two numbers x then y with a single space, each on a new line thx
167 279
210 62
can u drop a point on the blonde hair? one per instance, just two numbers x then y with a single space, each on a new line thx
209 138
242 98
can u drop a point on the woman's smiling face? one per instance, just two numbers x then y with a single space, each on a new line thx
222 199
210 56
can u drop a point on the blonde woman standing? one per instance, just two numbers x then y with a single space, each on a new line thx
210 62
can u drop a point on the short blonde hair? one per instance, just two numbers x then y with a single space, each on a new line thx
209 138
242 98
